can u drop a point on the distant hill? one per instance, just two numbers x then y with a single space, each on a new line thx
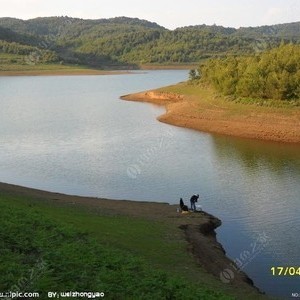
131 41
289 30
55 25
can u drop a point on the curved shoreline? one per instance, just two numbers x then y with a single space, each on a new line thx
198 228
198 113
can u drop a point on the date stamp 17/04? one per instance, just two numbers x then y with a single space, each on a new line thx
285 271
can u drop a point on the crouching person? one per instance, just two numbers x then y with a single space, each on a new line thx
183 207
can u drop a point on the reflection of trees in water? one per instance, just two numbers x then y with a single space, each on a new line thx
255 154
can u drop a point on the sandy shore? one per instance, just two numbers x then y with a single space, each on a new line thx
198 229
223 117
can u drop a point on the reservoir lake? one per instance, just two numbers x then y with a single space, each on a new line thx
73 135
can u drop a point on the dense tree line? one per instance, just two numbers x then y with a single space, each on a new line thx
274 74
41 56
132 41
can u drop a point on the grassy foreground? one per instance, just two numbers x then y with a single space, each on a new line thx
54 242
47 247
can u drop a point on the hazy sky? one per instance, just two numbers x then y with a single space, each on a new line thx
168 13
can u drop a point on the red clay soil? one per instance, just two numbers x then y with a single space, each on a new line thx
261 123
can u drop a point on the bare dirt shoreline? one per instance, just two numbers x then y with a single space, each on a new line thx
198 228
224 118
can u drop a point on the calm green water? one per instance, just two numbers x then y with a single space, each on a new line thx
73 135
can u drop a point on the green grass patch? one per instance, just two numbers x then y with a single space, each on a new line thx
50 247
207 93
266 102
14 62
19 67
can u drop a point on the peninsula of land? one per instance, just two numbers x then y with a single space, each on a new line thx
201 108
187 239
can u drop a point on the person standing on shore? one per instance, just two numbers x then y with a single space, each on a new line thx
193 200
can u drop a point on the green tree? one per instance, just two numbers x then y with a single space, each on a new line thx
273 74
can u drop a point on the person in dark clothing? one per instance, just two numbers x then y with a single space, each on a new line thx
183 206
193 200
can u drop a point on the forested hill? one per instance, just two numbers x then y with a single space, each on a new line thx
131 41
